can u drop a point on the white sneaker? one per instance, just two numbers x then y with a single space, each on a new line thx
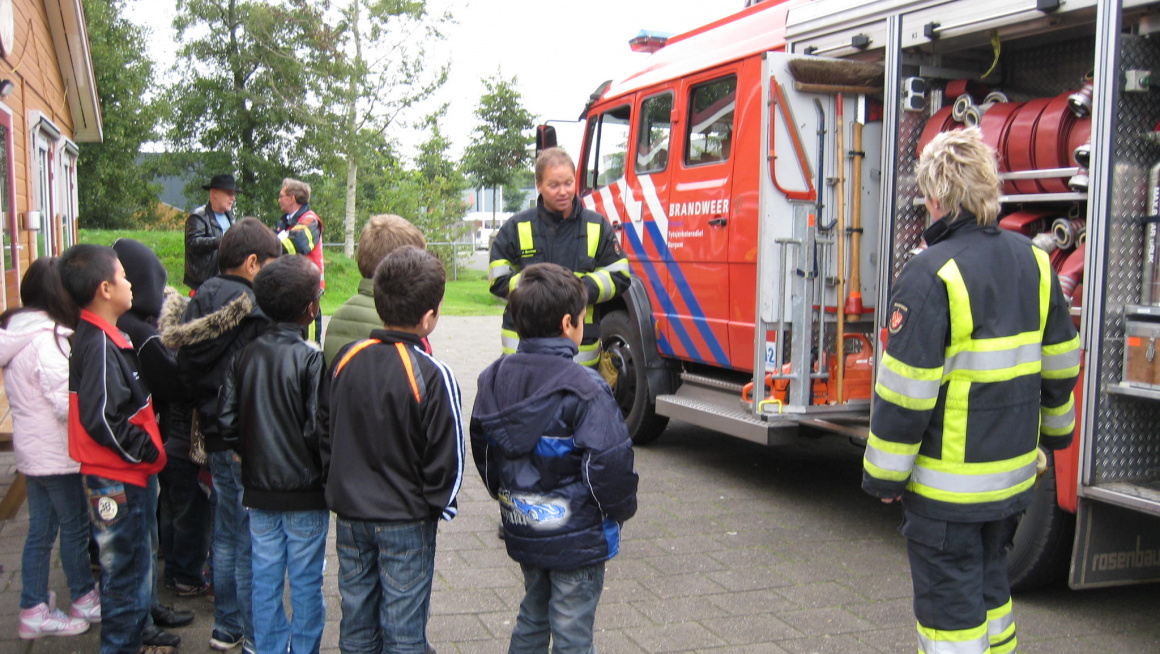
41 620
88 607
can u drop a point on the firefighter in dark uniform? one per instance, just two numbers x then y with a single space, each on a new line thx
560 231
979 368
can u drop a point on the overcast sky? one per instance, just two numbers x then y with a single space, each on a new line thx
559 51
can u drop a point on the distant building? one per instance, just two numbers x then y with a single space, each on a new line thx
48 104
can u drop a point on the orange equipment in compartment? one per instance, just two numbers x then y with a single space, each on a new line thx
859 377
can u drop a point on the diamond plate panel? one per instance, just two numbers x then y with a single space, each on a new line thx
1126 438
911 219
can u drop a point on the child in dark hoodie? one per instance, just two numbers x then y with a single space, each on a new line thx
159 372
551 445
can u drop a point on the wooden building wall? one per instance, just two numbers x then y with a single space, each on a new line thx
33 67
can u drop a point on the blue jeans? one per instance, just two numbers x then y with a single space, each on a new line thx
119 516
185 523
288 543
384 575
560 605
55 502
231 548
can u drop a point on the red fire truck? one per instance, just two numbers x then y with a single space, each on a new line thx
760 171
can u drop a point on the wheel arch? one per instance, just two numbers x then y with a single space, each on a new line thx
663 374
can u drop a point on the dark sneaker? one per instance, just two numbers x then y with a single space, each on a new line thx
155 637
167 616
157 649
190 590
223 640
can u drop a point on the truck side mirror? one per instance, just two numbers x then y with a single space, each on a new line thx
545 138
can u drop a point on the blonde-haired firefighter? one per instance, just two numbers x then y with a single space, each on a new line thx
560 231
978 372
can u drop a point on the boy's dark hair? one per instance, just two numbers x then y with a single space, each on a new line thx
409 282
82 269
286 287
245 237
382 235
545 294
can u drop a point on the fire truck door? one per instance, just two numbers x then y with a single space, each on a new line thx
699 211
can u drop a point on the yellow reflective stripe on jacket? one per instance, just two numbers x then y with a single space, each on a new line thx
1061 360
509 340
959 302
589 314
603 280
954 433
497 269
589 354
527 247
908 386
1058 421
309 236
1044 262
961 641
1001 628
288 245
514 281
889 460
593 239
972 483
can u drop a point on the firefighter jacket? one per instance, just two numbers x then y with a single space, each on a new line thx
269 404
112 431
979 368
217 323
392 447
203 235
301 233
551 445
583 242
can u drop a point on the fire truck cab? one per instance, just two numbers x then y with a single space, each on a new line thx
762 186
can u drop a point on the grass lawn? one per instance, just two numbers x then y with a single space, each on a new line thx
467 297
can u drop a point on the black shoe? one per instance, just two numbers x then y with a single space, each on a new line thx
167 616
499 533
154 637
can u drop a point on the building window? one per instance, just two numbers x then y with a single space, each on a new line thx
66 195
7 206
44 139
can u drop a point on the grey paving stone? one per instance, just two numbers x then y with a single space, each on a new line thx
682 586
750 629
684 609
753 601
819 595
816 622
827 644
674 637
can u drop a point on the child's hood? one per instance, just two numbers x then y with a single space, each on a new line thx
175 334
22 328
145 272
520 396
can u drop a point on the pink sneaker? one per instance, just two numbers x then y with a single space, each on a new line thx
41 620
88 607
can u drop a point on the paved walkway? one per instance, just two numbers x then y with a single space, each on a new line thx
736 548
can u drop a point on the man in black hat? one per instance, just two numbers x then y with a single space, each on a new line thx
204 228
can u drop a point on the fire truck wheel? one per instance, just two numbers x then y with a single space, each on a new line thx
626 354
1042 550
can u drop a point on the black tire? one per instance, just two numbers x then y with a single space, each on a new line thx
621 340
1042 550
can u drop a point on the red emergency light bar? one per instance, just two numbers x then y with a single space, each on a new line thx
647 41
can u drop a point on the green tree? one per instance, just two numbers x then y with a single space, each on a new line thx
514 195
375 68
241 104
500 140
114 190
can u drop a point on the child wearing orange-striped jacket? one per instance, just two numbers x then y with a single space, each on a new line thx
394 450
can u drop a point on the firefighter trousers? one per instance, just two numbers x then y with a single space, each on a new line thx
962 598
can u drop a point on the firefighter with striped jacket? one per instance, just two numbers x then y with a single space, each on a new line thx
560 231
978 373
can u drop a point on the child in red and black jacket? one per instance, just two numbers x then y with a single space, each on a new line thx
113 434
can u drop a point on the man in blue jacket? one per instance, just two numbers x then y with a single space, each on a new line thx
552 447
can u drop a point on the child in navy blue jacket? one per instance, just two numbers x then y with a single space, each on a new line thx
551 444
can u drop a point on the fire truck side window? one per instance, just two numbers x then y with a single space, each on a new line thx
608 149
652 141
710 136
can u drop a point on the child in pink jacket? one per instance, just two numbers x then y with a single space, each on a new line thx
34 351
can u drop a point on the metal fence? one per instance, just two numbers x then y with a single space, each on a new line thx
448 252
